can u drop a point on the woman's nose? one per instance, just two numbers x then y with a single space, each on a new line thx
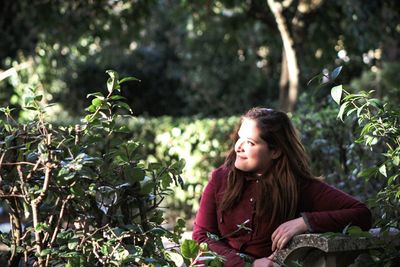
239 145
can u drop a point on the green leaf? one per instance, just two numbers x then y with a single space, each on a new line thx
96 94
105 249
189 249
126 79
175 257
73 244
97 102
38 98
91 108
166 180
158 231
336 93
77 191
382 170
359 110
376 103
368 172
123 105
75 261
178 166
133 174
45 252
342 110
356 231
146 187
117 97
180 225
319 77
41 227
396 160
112 82
392 179
335 73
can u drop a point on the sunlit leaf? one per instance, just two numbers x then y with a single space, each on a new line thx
126 79
112 82
336 93
189 249
382 170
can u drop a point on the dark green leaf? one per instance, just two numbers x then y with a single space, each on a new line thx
38 98
335 73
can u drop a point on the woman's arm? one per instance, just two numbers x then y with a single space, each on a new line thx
325 208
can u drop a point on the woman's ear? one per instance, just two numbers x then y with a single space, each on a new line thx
276 153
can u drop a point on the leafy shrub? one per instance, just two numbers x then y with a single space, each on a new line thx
378 129
379 125
203 144
81 195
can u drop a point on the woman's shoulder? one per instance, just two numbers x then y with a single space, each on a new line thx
313 183
219 175
221 171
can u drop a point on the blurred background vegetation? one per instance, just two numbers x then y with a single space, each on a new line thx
202 64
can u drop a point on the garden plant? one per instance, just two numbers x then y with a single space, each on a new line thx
79 195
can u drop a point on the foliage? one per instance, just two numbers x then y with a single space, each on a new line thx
379 124
203 144
199 255
81 195
216 58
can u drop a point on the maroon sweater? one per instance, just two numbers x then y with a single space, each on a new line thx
324 208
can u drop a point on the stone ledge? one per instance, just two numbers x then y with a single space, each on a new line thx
320 250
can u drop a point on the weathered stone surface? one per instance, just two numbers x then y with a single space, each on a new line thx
319 250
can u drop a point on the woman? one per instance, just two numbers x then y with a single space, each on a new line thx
265 194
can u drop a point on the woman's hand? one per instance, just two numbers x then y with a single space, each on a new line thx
285 232
264 262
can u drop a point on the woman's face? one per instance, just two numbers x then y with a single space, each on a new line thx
252 152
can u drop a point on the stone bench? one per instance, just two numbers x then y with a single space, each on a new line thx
321 250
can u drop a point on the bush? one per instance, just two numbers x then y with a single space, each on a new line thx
203 144
81 195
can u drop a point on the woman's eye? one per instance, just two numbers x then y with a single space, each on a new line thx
250 143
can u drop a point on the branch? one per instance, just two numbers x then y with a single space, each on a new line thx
13 71
2 195
92 234
53 237
17 163
21 177
62 210
46 182
33 169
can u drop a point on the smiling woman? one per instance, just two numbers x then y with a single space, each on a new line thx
267 190
252 152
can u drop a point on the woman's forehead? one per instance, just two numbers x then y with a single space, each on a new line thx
249 129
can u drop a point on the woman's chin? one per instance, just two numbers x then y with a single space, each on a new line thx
241 167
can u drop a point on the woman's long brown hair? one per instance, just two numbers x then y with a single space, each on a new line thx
277 197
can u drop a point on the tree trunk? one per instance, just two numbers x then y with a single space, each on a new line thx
290 55
283 83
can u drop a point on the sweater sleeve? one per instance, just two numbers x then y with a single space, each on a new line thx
325 208
207 221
